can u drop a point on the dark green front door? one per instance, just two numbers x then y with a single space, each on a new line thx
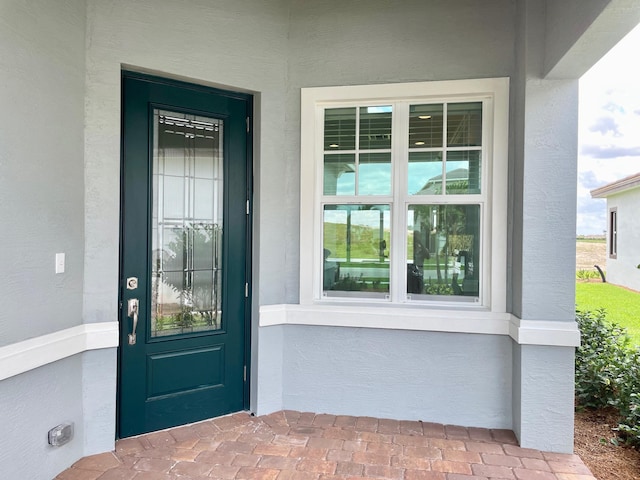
185 266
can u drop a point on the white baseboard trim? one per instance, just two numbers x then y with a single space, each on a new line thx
524 332
21 357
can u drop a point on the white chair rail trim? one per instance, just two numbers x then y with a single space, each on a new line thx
21 357
524 332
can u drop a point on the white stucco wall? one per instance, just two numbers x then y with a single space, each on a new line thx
544 170
30 405
41 166
623 270
543 390
426 376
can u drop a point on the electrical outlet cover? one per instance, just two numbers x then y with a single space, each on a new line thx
61 434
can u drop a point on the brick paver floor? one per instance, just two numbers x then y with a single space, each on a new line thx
299 446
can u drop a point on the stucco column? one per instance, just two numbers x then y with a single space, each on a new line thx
542 198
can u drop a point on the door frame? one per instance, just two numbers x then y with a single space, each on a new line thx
249 98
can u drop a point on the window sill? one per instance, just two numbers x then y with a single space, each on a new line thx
524 332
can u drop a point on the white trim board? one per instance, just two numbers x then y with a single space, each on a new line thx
523 332
21 357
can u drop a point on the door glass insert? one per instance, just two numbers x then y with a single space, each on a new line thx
186 290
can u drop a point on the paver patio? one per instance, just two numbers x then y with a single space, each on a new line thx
292 445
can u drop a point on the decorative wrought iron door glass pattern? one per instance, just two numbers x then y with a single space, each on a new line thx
186 293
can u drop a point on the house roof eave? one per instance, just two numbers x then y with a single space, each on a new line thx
616 19
619 186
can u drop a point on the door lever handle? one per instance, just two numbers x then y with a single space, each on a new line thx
132 312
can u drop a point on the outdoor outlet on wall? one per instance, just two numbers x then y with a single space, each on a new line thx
61 434
59 262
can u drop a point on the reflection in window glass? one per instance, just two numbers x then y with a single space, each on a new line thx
359 173
464 124
339 174
432 171
425 126
374 174
463 172
443 251
425 173
375 127
356 241
340 129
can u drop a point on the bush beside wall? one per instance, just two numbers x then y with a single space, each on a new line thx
608 371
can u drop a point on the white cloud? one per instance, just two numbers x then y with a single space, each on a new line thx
604 125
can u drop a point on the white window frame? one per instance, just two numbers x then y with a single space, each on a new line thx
494 92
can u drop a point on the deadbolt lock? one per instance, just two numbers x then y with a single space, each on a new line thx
132 283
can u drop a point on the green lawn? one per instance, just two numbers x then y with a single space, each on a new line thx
622 306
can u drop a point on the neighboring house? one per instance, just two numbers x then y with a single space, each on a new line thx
455 305
623 230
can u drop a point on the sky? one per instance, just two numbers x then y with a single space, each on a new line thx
609 129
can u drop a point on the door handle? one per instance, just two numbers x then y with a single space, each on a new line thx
132 312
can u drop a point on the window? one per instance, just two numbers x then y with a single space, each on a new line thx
613 233
404 194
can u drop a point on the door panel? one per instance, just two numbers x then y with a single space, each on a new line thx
172 372
185 237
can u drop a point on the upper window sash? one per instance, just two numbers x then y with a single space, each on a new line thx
445 142
357 150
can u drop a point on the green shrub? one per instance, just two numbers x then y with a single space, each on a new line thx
599 360
630 423
350 284
438 289
608 371
629 404
587 274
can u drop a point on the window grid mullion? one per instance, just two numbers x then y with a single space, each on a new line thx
397 254
486 149
357 159
317 263
445 121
